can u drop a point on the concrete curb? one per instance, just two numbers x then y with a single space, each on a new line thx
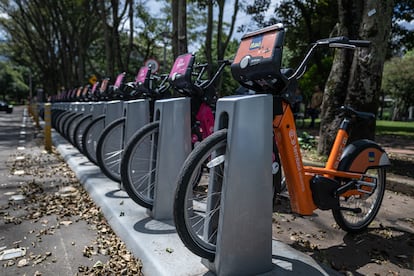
155 242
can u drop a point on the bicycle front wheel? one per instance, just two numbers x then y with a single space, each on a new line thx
198 198
80 130
138 165
109 149
358 209
91 136
70 126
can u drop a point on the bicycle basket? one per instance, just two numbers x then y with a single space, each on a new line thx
258 60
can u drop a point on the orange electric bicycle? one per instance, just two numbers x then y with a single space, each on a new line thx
351 184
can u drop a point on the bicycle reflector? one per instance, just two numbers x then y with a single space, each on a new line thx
258 60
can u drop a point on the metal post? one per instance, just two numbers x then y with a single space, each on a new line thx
244 239
114 110
174 145
136 116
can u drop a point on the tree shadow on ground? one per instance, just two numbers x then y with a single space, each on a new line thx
376 245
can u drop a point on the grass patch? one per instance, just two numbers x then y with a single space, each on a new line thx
396 128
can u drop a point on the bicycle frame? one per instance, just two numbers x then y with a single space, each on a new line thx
206 117
298 176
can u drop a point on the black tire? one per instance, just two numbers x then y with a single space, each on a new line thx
55 115
109 149
91 136
67 123
369 205
59 119
63 121
138 165
80 130
190 205
70 131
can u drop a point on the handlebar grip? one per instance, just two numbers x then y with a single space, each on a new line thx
344 40
337 39
360 43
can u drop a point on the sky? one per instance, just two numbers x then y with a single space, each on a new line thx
242 18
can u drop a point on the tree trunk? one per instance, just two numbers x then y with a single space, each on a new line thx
209 37
130 3
182 27
174 15
179 27
355 77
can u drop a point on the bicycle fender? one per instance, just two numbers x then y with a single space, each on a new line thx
361 155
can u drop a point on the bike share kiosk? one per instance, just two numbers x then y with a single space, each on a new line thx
174 141
244 239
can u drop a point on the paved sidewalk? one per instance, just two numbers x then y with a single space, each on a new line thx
156 242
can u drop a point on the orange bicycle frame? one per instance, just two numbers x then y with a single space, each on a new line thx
298 176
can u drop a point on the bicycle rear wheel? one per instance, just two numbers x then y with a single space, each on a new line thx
198 199
90 137
139 163
109 149
359 209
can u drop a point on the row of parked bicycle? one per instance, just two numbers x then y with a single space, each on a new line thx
351 185
85 122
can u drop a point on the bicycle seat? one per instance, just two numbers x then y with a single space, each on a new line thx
257 64
350 112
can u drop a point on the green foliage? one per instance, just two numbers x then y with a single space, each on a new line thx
402 39
315 76
398 83
228 84
307 141
12 84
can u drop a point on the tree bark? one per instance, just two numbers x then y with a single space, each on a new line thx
179 27
182 27
355 77
209 37
174 15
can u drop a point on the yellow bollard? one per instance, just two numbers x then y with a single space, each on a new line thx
29 109
35 111
48 128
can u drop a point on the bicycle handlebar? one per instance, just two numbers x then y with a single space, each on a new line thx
343 40
204 85
333 42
